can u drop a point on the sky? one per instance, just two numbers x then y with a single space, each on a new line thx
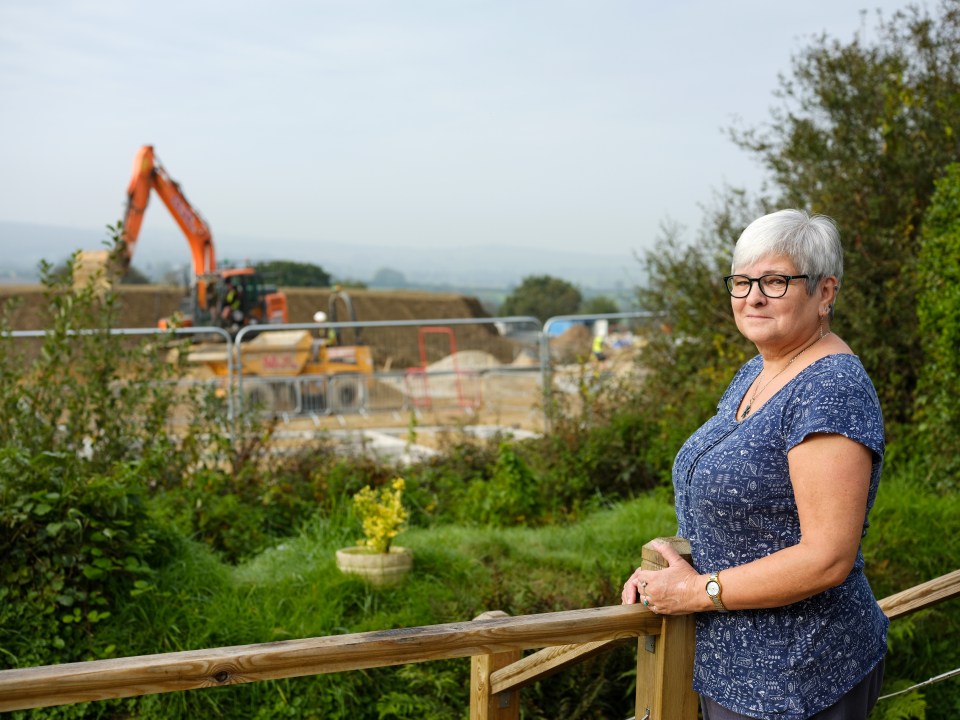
294 125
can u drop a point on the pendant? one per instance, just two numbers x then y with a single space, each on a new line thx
746 411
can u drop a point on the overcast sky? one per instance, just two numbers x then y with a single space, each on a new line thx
545 124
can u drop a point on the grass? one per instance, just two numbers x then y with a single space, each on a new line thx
294 590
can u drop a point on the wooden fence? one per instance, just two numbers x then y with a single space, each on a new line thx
493 641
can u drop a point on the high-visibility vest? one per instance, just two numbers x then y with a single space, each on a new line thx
232 300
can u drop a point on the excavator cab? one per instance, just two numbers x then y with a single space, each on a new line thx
244 299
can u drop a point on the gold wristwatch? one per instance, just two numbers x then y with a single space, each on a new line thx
715 590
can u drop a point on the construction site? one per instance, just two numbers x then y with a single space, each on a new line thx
397 357
331 359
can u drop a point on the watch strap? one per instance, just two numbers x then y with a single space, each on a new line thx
717 599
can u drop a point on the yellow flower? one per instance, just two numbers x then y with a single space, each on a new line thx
382 515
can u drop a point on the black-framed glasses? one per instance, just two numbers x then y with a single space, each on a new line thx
773 286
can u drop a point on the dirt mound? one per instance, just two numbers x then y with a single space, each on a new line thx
573 345
142 305
374 305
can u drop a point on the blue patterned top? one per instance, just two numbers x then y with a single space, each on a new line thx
735 503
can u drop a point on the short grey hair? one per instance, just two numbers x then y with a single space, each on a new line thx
811 242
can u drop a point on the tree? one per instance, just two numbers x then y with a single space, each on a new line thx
938 310
543 297
294 274
134 277
388 278
864 130
599 305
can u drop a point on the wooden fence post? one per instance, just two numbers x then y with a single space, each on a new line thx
665 661
484 706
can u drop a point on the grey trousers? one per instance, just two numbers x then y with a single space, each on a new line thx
855 705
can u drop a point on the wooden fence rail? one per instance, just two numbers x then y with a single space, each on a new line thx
494 641
938 590
192 669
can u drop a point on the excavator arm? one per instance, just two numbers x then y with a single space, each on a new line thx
261 303
149 175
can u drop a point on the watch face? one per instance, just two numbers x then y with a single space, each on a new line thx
713 588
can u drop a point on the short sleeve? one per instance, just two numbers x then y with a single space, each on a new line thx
837 399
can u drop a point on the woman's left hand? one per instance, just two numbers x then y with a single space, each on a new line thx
666 591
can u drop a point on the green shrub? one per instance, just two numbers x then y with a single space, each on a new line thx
84 390
73 544
437 486
84 432
935 438
511 496
913 539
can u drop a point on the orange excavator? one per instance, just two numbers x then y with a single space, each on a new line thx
230 297
285 370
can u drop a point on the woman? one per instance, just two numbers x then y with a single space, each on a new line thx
774 492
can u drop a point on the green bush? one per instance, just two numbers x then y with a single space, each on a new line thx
935 438
83 390
73 544
437 486
82 436
912 539
511 496
586 461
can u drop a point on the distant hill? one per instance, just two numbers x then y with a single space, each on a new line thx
458 269
26 245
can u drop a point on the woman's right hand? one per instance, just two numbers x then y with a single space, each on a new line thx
670 591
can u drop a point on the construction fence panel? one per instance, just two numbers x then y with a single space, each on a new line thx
169 344
572 339
440 370
444 372
591 351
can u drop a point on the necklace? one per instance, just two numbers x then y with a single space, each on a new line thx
746 410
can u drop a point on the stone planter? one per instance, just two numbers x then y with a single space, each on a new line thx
379 569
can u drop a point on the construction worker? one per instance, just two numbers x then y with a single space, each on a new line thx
232 310
597 348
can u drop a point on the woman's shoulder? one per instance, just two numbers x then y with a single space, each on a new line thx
838 381
835 394
839 365
837 372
